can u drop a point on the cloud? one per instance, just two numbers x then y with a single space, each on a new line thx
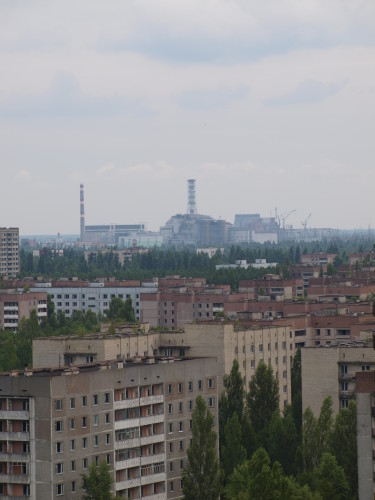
64 98
212 99
308 91
22 176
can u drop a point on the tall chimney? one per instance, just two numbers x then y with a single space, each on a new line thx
82 212
192 207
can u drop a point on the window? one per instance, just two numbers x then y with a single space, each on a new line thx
72 424
284 345
59 447
107 398
190 385
170 428
181 464
260 347
59 426
73 465
107 439
179 387
84 400
96 460
190 405
59 468
84 442
58 405
328 332
171 467
200 385
73 487
108 458
170 447
72 444
171 484
211 402
285 389
169 388
72 403
252 363
284 374
96 420
180 426
181 445
95 399
107 418
96 440
211 383
84 422
284 360
276 346
170 409
59 489
252 348
190 424
85 463
180 407
268 347
344 369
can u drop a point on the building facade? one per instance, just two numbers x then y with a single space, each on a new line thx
135 415
9 252
17 305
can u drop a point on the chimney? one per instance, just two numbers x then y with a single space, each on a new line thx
82 212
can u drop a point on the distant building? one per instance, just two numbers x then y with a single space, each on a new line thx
318 259
9 252
254 228
17 305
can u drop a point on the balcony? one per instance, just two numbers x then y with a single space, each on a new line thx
127 443
14 436
152 459
129 483
14 457
153 478
126 403
154 438
14 415
152 400
156 496
15 478
126 423
152 419
127 464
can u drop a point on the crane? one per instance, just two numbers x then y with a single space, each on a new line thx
284 217
304 223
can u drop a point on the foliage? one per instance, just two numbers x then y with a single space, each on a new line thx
120 310
296 382
233 452
256 479
201 475
97 482
344 444
283 441
329 479
263 397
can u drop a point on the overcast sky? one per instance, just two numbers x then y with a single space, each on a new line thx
266 103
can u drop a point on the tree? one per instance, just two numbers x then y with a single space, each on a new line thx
120 310
344 444
201 475
329 479
256 479
233 453
263 397
97 482
283 441
296 382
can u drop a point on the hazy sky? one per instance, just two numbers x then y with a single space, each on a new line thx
267 103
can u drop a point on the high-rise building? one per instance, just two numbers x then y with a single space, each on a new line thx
134 414
9 251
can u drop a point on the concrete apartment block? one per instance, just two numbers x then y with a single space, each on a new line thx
331 371
135 415
17 305
272 344
365 434
9 252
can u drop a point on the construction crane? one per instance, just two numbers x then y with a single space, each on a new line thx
284 217
304 224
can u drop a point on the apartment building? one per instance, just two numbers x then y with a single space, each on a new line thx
9 252
318 258
337 366
271 287
69 296
135 415
365 434
17 305
269 343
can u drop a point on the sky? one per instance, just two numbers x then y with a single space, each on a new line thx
267 104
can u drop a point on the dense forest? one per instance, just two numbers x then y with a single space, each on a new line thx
184 262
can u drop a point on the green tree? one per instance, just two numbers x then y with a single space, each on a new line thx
201 475
296 382
233 453
97 482
256 479
263 397
329 479
120 310
344 444
283 441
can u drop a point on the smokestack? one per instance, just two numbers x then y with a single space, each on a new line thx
192 207
82 212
